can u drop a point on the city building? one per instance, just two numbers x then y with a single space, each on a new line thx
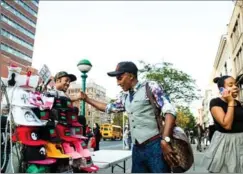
205 113
96 92
223 63
18 26
229 57
235 30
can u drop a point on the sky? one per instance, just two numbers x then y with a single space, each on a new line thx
185 33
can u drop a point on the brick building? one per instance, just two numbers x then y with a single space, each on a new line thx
18 26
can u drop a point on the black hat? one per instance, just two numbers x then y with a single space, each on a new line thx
124 67
48 133
65 74
33 153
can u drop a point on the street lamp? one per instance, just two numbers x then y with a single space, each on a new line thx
84 67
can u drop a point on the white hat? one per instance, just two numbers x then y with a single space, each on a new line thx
19 97
22 80
25 117
33 81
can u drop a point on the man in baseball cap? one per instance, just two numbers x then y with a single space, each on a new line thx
63 79
152 151
126 75
62 82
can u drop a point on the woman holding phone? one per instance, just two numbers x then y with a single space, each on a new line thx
225 153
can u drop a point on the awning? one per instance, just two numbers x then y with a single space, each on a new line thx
239 79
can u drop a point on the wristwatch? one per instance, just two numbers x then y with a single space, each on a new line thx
167 139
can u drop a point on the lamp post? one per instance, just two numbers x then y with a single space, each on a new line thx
84 67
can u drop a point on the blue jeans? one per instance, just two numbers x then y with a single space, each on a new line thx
149 158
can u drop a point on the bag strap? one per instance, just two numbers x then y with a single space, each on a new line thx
156 108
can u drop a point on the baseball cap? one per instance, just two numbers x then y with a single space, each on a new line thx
124 67
64 133
63 102
65 74
91 169
47 161
77 132
42 114
69 149
49 133
80 149
34 153
38 155
28 136
55 151
25 117
72 118
62 117
18 97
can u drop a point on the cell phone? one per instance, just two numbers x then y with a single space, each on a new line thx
221 90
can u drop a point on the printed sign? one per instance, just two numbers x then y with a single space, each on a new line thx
45 74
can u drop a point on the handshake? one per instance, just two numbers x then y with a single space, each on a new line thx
82 96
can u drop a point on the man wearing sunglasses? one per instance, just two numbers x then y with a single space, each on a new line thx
150 148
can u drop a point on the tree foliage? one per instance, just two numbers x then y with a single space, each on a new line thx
178 85
185 118
118 119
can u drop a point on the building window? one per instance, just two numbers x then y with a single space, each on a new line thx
17 26
15 52
225 68
26 7
239 61
35 2
16 39
17 13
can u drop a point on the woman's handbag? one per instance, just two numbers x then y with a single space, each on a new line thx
179 141
92 142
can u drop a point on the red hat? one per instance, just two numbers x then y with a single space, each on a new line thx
77 132
28 136
72 119
64 133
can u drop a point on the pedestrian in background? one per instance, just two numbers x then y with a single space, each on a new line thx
211 128
97 135
125 137
225 153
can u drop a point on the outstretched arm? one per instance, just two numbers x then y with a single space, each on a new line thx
116 106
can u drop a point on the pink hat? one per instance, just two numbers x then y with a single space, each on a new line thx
69 149
83 151
44 162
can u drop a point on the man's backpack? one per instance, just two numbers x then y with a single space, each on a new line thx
179 141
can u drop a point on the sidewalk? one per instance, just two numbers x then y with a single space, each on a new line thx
198 156
195 168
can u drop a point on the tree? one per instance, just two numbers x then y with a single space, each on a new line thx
179 86
118 117
185 118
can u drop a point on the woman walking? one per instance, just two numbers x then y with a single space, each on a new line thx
225 153
97 135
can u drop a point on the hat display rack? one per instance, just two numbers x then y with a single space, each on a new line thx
42 132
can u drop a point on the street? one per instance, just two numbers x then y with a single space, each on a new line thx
117 145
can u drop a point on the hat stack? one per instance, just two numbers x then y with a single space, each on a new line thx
47 127
70 132
30 113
